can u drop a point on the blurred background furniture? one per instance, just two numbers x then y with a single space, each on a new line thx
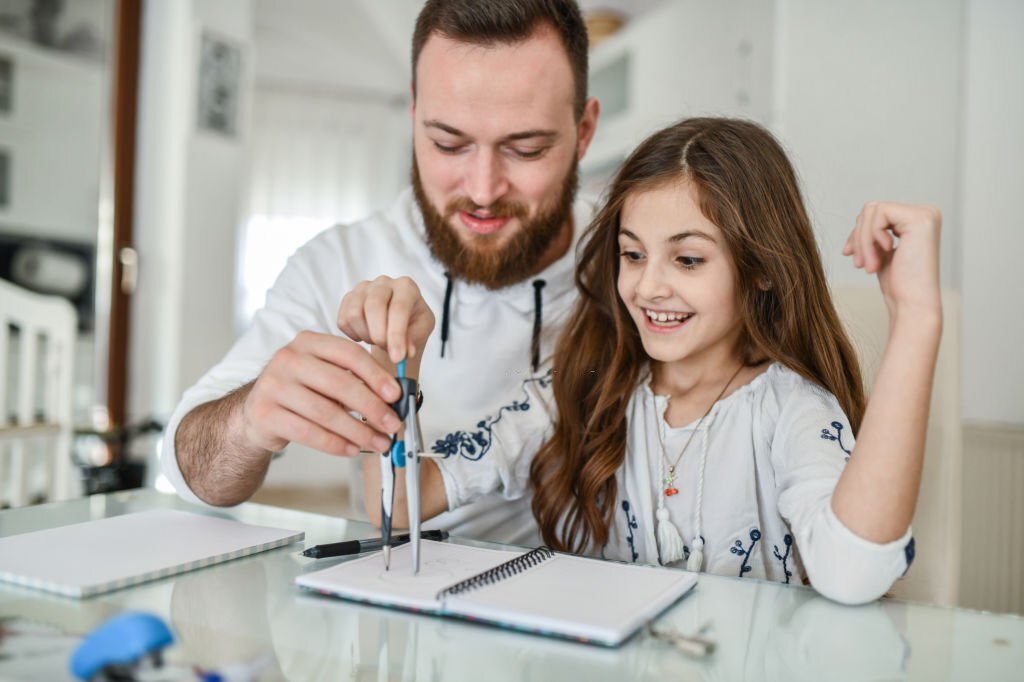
37 336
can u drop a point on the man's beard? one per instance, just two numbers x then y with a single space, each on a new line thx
483 262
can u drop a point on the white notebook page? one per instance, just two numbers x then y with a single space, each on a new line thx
441 564
579 597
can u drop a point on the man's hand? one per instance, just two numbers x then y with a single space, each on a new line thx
388 313
305 393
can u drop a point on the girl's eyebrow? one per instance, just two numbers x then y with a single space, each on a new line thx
674 238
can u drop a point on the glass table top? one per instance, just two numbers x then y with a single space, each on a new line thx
248 610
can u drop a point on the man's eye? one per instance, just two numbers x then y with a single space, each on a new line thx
528 153
447 149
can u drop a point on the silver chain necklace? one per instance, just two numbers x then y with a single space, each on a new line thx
668 487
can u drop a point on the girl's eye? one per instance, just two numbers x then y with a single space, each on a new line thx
690 262
631 256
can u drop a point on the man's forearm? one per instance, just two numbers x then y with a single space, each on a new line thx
214 460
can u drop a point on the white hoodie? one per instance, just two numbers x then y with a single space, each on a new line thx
486 357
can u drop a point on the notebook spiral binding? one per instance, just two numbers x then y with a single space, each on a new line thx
499 572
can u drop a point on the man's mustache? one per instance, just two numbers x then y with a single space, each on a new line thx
499 209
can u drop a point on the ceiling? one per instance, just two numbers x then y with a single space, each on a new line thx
352 47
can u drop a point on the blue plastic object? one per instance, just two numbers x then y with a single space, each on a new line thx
122 640
398 453
398 447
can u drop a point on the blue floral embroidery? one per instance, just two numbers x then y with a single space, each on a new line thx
837 436
631 524
787 539
474 445
909 551
738 550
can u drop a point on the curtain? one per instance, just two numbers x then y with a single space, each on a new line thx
318 157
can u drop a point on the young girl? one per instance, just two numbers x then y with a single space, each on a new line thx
706 396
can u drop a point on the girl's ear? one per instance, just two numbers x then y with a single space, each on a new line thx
764 284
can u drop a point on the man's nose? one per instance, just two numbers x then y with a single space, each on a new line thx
485 180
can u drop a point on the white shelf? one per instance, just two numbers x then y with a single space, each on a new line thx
53 139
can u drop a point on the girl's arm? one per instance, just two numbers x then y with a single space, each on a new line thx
877 492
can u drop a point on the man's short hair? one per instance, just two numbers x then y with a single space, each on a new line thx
487 22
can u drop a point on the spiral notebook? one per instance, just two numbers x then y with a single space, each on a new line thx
539 591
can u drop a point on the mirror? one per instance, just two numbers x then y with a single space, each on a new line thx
55 149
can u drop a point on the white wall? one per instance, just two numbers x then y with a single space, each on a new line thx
920 100
992 226
868 104
189 185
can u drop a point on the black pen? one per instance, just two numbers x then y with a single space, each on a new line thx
368 545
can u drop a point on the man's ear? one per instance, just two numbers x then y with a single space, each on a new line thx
587 126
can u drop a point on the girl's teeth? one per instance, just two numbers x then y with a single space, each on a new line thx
662 317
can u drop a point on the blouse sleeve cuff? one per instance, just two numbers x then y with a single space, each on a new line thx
466 481
847 568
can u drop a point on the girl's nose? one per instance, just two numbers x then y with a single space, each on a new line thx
652 286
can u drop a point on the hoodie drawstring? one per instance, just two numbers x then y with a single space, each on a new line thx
444 311
538 316
538 285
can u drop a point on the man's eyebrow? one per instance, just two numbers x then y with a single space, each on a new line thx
444 127
674 238
529 134
512 137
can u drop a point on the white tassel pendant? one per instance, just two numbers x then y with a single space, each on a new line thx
670 543
696 556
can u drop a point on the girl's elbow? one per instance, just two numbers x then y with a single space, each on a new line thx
850 588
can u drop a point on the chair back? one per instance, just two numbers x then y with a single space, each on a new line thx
934 576
37 343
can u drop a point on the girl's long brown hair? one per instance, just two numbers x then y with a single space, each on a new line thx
747 187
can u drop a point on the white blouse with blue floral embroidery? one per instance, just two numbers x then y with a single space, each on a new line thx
775 449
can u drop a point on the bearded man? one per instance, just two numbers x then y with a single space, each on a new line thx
488 230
